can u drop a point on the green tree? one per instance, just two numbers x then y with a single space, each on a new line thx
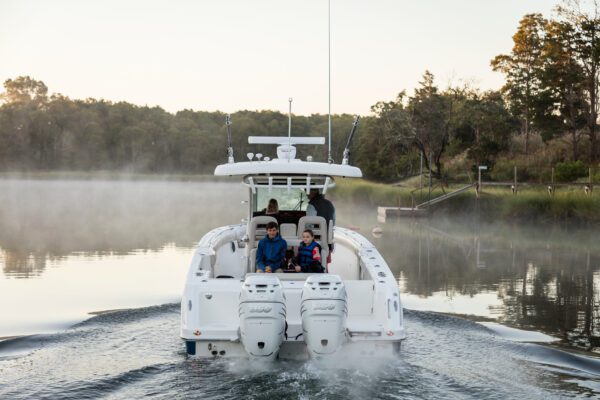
522 69
487 117
386 141
24 89
563 103
431 115
584 16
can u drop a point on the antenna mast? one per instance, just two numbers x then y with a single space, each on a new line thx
329 159
290 126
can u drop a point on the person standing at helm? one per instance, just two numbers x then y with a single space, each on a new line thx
319 206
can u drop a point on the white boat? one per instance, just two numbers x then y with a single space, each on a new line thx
228 310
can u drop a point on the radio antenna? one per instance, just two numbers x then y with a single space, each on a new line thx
329 159
229 148
290 127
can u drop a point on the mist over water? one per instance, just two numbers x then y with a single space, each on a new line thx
44 220
68 248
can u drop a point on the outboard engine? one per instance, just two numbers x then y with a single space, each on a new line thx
262 315
324 312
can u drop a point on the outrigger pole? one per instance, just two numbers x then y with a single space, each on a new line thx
229 148
347 149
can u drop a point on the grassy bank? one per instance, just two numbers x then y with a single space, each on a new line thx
534 203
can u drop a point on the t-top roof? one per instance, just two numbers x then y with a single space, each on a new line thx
289 140
287 167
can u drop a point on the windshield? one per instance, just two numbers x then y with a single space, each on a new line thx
294 199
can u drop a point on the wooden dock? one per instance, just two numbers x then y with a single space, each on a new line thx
421 210
401 212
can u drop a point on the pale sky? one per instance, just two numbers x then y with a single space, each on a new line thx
231 55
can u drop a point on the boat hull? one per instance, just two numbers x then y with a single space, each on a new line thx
297 350
210 319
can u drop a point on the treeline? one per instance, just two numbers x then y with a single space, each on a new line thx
41 132
546 114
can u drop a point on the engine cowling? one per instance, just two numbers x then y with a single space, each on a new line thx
324 312
262 315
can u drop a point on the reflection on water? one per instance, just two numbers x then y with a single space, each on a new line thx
43 221
544 278
76 285
96 245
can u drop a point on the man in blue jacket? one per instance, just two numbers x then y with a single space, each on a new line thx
270 254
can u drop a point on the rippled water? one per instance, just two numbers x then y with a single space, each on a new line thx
137 353
68 248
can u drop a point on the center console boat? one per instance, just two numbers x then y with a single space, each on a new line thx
228 310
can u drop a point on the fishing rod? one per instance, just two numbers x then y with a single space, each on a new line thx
352 131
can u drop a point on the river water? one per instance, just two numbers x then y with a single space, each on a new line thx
493 310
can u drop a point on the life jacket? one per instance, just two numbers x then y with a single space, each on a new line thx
309 257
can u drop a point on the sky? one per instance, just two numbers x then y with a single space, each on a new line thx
231 55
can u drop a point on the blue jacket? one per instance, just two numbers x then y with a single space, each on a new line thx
271 252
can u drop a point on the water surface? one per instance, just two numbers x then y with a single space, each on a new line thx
71 248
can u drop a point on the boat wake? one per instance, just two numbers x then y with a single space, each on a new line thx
136 353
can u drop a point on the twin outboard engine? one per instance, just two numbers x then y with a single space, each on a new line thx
262 315
324 311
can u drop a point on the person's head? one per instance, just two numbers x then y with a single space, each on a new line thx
313 193
272 229
272 207
308 236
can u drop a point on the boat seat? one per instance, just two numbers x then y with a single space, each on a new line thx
256 231
257 228
287 230
319 227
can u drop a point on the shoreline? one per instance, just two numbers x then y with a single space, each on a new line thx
568 203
